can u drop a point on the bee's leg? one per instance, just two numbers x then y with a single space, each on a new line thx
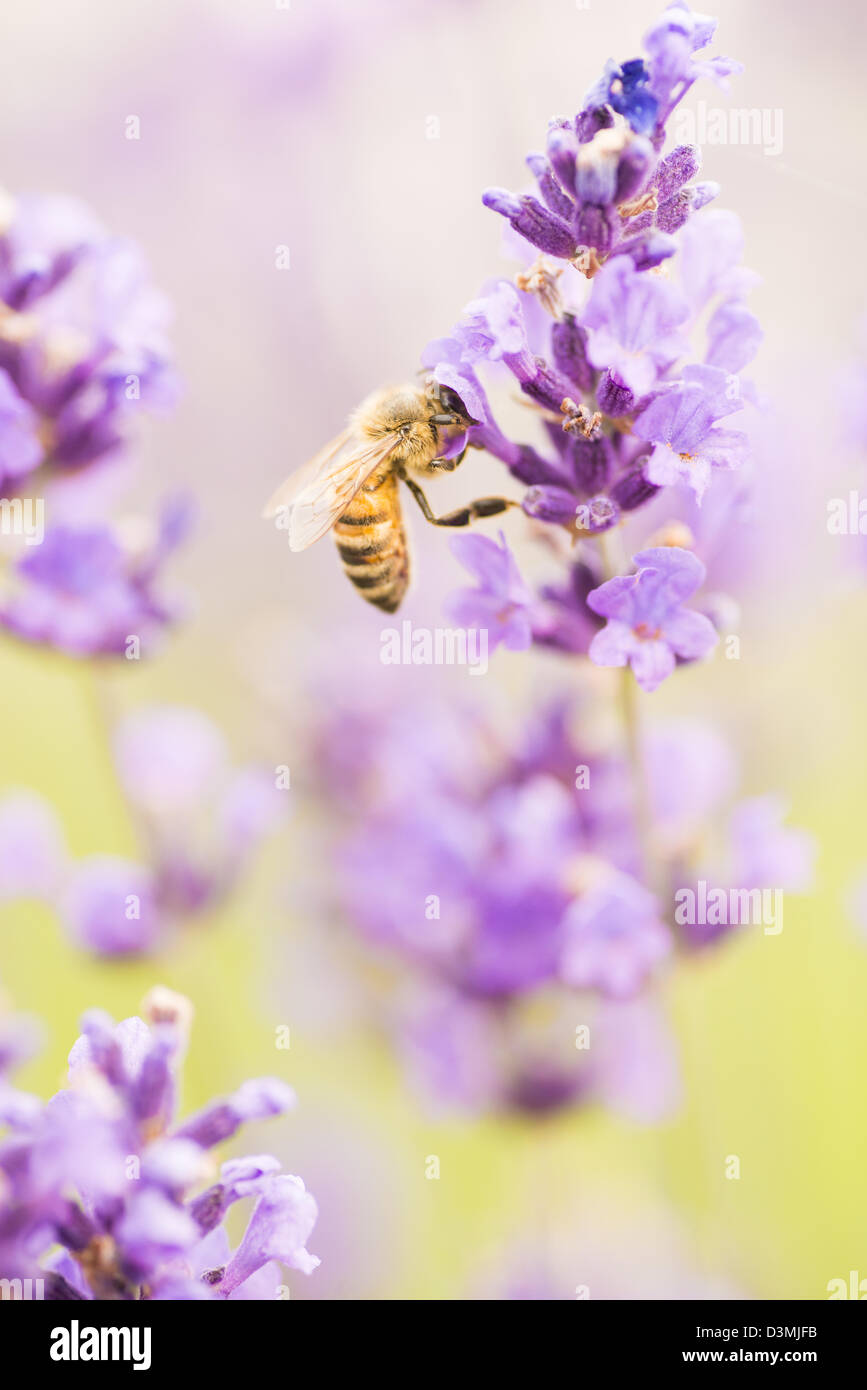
483 506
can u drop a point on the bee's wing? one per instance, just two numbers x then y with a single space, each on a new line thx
319 492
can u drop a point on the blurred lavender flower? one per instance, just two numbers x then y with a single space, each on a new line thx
764 850
91 590
83 333
32 849
613 936
199 821
106 1194
503 871
83 350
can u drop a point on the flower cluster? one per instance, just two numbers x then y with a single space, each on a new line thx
106 1194
628 337
505 870
536 886
199 821
83 350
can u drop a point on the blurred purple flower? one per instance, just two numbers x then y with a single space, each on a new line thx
83 337
767 853
83 349
20 449
87 592
32 849
613 937
200 820
105 1193
109 906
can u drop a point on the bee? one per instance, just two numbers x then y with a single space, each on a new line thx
351 487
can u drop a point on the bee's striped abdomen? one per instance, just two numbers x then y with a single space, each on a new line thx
372 545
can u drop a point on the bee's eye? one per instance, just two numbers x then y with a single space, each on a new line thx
404 430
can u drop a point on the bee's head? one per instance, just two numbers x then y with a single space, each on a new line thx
424 421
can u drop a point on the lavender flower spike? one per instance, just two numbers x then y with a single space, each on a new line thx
103 1172
648 627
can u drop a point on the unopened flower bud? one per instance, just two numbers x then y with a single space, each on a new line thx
675 170
533 222
633 168
563 148
591 459
632 490
569 350
599 514
552 504
554 197
613 398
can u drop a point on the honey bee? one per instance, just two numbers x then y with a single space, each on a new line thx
352 486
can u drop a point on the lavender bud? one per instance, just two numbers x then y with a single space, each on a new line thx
641 223
558 436
596 171
532 469
569 350
635 164
671 215
533 222
632 490
592 462
675 170
548 388
563 147
554 504
561 205
599 514
74 1229
613 398
588 123
594 229
582 578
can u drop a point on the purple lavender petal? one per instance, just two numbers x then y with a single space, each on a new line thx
279 1229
